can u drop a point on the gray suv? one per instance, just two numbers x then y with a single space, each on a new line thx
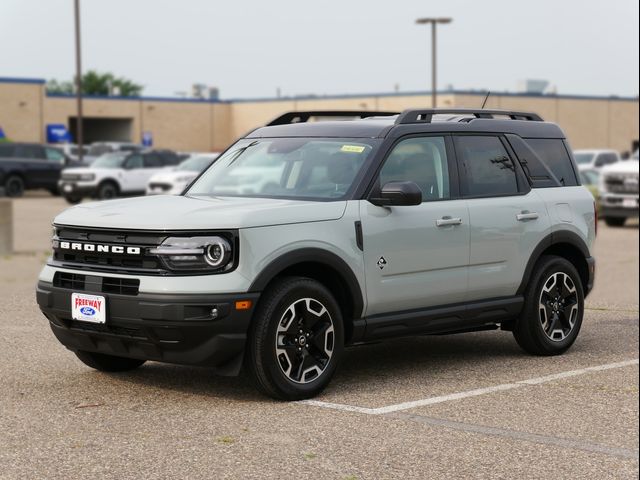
306 237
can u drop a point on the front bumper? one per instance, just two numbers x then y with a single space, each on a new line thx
621 206
77 188
161 327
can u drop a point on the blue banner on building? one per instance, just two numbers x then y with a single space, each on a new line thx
147 139
2 135
58 133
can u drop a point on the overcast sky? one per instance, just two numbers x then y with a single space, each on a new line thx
250 48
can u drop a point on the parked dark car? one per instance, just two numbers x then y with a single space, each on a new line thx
25 166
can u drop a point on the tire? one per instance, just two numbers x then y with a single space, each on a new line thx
73 200
614 221
540 330
301 316
54 191
14 186
108 363
107 191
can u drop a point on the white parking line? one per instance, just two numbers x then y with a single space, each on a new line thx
469 393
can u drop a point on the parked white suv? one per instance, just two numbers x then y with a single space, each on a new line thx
174 181
595 159
619 191
115 174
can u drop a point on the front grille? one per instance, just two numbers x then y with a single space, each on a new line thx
144 264
70 176
96 284
624 184
160 186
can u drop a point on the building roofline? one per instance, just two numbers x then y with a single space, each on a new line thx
39 81
311 97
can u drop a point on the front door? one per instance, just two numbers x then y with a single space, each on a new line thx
417 256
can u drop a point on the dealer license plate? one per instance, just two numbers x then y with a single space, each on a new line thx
88 308
629 203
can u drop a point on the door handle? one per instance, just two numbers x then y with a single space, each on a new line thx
446 221
523 216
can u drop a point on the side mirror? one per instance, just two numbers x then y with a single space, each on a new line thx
398 194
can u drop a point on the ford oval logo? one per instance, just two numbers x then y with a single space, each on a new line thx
88 311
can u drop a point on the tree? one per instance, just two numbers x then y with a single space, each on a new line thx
96 83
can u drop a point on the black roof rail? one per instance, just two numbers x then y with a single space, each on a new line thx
425 115
302 117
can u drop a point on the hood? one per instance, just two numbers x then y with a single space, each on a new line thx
90 169
624 166
172 175
170 212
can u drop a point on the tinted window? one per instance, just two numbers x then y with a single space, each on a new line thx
6 150
134 161
538 174
54 155
555 156
419 160
152 160
170 158
29 151
605 159
487 166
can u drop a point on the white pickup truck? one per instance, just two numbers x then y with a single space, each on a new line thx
619 191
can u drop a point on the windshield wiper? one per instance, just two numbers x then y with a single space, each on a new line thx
241 151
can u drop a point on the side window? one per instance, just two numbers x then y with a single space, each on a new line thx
53 155
152 160
606 159
170 159
553 153
29 151
422 160
487 166
134 161
6 151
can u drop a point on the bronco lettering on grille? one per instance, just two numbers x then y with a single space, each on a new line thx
92 247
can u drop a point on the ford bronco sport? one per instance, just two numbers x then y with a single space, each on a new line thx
306 237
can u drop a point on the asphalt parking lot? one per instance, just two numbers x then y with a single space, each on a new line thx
463 406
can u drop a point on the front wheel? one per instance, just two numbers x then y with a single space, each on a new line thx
108 363
107 191
553 308
296 340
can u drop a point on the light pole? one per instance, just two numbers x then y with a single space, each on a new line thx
433 21
79 136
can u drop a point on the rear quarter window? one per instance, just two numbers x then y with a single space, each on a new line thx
554 155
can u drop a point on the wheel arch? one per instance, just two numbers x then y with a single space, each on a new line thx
325 267
564 244
110 180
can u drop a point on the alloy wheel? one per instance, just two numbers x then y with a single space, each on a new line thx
305 340
558 306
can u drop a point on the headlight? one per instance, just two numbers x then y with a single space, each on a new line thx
87 176
195 253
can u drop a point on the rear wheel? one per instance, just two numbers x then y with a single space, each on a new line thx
296 339
14 186
614 221
108 363
107 191
553 309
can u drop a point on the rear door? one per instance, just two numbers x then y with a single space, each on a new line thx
417 256
56 162
507 218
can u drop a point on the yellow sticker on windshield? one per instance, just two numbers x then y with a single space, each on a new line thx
352 148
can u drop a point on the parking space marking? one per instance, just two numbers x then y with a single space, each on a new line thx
469 393
584 445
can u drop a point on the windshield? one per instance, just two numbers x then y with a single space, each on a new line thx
195 164
110 160
584 158
296 168
98 149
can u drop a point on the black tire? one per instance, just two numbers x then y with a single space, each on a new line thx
534 330
614 221
108 363
286 301
73 200
14 186
107 191
54 191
